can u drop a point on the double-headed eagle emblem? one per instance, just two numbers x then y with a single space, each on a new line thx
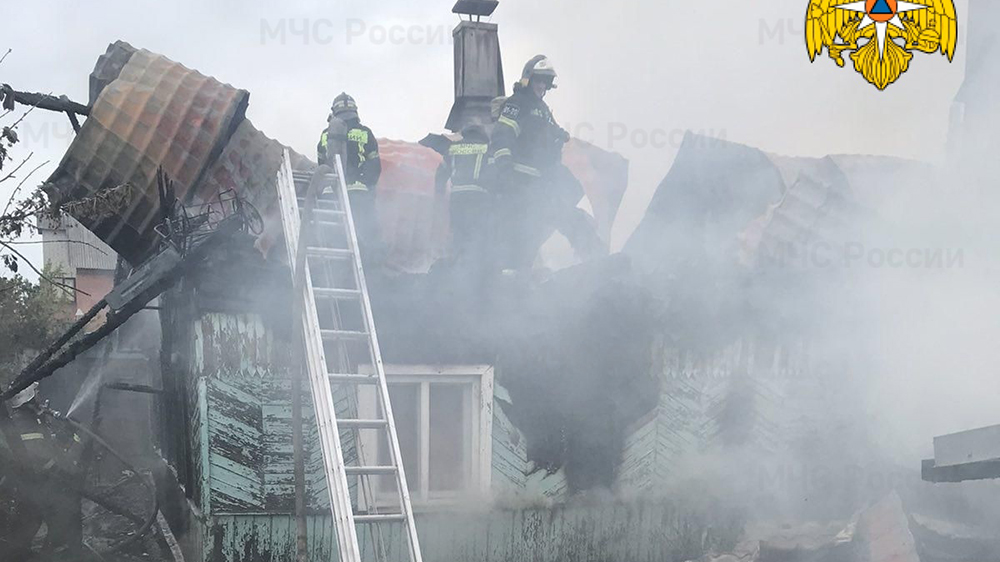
881 35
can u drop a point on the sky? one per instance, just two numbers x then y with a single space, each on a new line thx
633 75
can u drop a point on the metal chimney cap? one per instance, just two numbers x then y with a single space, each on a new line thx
475 7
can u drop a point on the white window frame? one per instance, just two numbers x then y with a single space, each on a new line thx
64 295
479 467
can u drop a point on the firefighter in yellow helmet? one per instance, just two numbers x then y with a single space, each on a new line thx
362 166
537 193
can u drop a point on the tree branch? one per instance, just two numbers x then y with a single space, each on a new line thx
65 337
66 288
14 171
18 188
30 109
23 242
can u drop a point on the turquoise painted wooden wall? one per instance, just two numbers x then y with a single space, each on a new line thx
641 531
239 431
240 413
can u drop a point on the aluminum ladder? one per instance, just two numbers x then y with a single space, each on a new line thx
337 323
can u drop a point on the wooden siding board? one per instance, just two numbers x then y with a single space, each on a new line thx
509 455
279 458
205 471
233 494
236 450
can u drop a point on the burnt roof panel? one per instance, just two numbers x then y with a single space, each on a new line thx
155 113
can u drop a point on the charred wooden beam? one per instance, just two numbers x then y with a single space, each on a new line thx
129 387
115 319
63 339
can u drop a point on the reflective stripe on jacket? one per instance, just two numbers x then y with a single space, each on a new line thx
362 166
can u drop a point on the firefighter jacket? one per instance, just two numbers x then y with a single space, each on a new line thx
526 138
466 163
40 442
362 167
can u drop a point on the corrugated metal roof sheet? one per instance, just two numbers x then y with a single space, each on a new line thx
812 211
247 168
109 67
156 113
604 176
414 223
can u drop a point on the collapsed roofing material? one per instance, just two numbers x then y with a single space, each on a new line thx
815 209
413 221
713 190
109 67
884 531
722 202
604 176
156 113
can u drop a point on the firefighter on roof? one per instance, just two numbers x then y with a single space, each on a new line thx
538 194
362 166
466 168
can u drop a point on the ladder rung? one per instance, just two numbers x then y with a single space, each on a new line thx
329 252
343 335
322 222
322 205
354 379
304 175
330 293
361 424
330 212
330 218
362 470
380 518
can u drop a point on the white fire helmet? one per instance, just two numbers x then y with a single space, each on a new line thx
539 67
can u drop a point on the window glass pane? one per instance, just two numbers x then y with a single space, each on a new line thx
449 431
406 412
66 293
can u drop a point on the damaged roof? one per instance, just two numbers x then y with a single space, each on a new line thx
155 113
150 112
736 200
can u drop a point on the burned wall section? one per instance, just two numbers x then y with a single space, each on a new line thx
573 352
228 355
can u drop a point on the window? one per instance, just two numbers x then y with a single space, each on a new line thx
66 290
444 423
